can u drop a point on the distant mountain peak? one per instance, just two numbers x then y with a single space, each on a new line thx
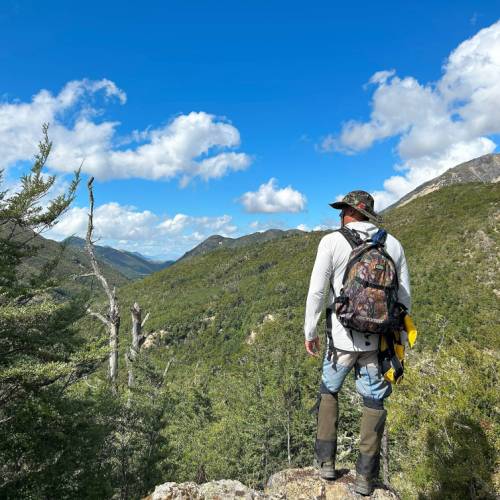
485 169
133 265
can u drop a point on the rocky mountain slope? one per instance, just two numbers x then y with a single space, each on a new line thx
483 169
131 264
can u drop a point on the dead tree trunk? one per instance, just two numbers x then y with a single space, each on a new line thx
134 347
137 340
112 318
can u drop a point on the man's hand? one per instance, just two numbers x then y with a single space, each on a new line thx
313 347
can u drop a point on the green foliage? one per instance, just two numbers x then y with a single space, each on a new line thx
63 432
451 241
139 450
52 445
22 216
27 260
447 449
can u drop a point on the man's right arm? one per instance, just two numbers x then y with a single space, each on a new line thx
321 275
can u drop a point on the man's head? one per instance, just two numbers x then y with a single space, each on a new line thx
348 214
357 206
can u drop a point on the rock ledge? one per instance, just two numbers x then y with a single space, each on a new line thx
290 484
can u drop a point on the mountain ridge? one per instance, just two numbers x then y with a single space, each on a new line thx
484 168
71 263
218 241
133 265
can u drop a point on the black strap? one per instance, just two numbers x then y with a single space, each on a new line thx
352 237
394 360
367 284
331 355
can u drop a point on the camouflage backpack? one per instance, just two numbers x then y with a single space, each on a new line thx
368 300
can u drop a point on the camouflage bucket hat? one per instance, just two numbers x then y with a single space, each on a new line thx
361 201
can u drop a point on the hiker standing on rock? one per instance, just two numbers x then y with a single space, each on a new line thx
359 307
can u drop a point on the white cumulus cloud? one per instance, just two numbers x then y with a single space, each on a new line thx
318 227
112 221
221 225
192 145
439 124
270 199
127 228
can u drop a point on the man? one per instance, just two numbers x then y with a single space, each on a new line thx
350 348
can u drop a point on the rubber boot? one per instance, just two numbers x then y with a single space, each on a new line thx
368 464
326 438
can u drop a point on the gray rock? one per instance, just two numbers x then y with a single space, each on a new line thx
306 484
214 490
290 484
225 488
174 491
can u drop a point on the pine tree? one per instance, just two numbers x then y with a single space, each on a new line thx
41 354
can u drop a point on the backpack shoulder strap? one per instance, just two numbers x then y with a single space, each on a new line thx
351 236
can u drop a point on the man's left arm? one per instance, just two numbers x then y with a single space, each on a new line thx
404 292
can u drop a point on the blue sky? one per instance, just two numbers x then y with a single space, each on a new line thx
180 108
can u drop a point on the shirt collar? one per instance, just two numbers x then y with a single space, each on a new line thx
361 225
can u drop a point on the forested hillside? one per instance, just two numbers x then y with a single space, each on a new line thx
222 386
71 263
243 386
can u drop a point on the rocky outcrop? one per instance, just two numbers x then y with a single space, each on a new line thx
250 340
305 484
290 484
153 339
214 490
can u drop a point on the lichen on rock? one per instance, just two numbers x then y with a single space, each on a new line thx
290 484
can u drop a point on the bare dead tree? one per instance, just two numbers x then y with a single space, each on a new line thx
137 340
112 318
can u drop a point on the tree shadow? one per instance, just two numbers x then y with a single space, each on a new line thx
460 461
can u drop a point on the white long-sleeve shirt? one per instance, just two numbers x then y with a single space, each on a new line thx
329 267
